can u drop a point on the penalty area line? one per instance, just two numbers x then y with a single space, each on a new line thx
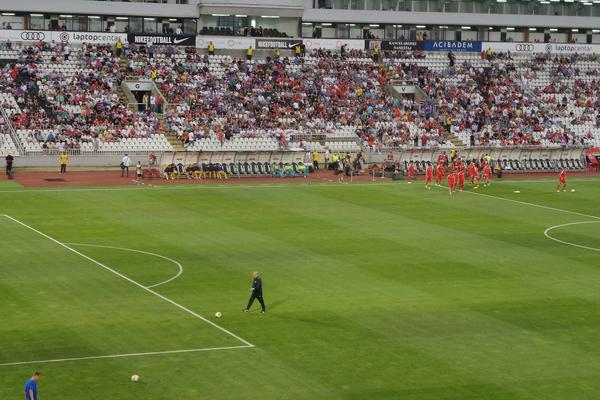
177 263
152 353
98 263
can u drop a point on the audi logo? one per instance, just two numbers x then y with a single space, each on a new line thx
524 47
33 36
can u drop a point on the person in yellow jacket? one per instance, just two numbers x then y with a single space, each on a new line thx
315 158
119 47
64 158
211 49
277 53
249 53
376 54
298 50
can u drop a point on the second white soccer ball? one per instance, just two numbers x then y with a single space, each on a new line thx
135 378
572 190
218 314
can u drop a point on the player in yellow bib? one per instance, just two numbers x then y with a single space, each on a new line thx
64 158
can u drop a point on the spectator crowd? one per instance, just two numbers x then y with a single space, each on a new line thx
67 96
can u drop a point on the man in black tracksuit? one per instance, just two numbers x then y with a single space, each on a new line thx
256 293
9 165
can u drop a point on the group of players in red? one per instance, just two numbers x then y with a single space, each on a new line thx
456 173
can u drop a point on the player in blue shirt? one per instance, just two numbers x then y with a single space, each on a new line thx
31 387
256 293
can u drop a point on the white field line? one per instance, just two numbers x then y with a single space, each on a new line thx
257 185
179 266
207 187
199 187
153 353
597 219
547 234
532 204
187 310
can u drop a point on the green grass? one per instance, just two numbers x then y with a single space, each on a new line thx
10 185
383 291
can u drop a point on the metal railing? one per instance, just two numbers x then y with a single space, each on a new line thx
540 103
165 104
13 134
80 152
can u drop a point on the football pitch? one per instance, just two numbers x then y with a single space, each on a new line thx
374 291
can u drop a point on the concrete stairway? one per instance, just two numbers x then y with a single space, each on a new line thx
170 135
455 140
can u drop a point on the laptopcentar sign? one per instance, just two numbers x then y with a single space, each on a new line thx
64 37
551 48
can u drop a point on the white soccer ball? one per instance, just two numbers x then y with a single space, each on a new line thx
218 314
135 378
572 190
517 191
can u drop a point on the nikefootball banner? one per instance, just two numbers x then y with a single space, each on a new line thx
162 40
277 43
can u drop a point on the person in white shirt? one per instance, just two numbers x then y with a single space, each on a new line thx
125 162
138 171
178 31
66 51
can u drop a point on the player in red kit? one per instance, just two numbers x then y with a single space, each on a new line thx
452 179
461 175
428 176
475 176
562 181
456 163
411 172
487 174
439 174
471 172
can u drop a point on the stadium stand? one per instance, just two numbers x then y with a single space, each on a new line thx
7 146
61 103
323 101
218 97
